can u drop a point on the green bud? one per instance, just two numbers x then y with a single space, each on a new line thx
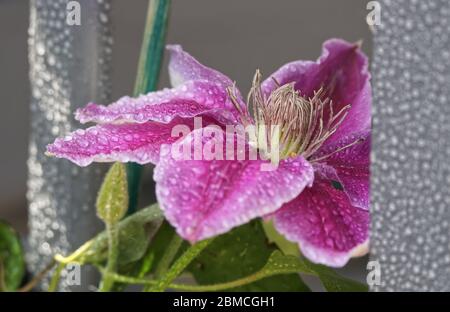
112 199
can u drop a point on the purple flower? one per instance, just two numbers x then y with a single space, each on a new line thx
318 196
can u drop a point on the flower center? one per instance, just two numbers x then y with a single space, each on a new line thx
294 124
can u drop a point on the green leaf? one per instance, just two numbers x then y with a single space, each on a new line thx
112 200
135 233
133 242
279 263
134 257
12 263
238 254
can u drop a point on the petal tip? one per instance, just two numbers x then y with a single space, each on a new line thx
358 44
360 250
174 47
331 258
83 114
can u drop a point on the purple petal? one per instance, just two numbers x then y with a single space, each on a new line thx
342 70
138 143
328 229
350 167
183 67
188 100
203 198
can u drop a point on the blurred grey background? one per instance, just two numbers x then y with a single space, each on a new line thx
234 36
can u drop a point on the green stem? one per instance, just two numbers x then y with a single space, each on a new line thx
147 263
113 252
180 264
134 174
329 285
167 258
100 242
93 247
221 286
56 277
152 46
148 74
127 279
214 287
169 255
77 254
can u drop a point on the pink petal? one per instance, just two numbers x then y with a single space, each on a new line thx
183 67
342 70
188 100
203 198
138 143
328 229
350 167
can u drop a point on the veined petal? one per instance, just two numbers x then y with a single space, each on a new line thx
138 143
350 166
342 70
188 100
204 198
328 229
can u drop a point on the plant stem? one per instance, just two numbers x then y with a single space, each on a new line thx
180 264
73 257
167 258
113 252
214 287
147 263
221 286
152 46
148 74
169 255
30 285
99 242
56 277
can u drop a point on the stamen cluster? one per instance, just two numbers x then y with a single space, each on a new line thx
297 125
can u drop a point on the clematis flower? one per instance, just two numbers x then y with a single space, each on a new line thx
318 196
